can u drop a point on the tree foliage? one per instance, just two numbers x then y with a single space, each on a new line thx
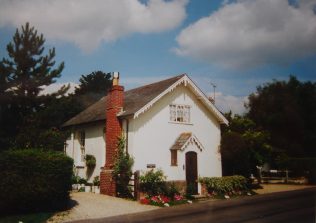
287 110
243 147
97 82
92 87
29 119
26 69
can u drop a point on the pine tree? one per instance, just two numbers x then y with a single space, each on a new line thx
22 76
28 69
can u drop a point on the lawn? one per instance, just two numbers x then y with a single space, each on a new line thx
27 218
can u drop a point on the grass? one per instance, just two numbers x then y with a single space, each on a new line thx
27 218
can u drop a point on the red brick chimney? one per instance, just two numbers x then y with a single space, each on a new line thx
113 132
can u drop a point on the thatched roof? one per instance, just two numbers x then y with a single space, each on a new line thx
134 100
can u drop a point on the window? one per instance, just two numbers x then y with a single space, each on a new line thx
180 113
174 158
82 146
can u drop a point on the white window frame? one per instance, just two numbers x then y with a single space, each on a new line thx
180 113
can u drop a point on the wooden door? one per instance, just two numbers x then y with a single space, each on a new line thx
191 172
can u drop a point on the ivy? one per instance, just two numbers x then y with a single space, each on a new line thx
122 170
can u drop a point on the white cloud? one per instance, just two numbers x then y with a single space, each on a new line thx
226 103
248 33
88 23
56 86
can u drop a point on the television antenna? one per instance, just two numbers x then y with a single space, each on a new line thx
214 86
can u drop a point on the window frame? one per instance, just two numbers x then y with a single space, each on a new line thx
180 113
174 157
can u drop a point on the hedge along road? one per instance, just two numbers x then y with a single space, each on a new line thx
290 206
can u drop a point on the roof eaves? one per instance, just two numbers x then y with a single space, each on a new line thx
203 98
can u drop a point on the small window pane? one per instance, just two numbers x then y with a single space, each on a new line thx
173 114
174 159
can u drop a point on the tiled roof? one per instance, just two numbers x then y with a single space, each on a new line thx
134 100
181 140
184 140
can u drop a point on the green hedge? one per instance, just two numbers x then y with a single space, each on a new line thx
225 185
34 180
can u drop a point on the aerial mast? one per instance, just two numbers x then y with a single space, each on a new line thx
214 86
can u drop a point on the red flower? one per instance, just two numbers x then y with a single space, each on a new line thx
165 199
144 200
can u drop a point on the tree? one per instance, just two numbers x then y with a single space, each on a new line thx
27 68
92 87
97 82
243 147
287 110
22 76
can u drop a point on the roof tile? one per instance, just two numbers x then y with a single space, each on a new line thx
134 100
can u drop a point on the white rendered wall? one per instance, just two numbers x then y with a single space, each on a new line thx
151 136
94 145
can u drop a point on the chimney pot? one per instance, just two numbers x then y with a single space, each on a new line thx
116 77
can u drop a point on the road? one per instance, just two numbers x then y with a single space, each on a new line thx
293 206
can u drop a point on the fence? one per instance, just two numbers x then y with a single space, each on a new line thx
275 175
134 185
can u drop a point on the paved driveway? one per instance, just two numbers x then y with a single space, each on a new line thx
89 205
290 207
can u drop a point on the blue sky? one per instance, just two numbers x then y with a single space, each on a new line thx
237 45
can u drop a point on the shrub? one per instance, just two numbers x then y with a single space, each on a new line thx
231 185
153 182
96 181
75 179
82 181
90 161
171 190
34 180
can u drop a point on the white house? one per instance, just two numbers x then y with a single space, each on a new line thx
169 125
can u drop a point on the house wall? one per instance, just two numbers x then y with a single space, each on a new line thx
94 145
151 136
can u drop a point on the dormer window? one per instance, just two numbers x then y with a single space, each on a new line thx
180 113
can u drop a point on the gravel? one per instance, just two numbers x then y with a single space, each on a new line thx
89 205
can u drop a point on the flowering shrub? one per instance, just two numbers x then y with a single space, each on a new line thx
163 201
178 197
153 182
144 200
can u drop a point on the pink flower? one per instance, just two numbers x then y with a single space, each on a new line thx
178 197
155 199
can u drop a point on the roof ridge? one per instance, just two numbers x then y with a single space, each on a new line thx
157 82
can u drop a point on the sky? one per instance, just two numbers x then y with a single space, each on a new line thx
235 45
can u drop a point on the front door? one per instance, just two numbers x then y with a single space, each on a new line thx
191 172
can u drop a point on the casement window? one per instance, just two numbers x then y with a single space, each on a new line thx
174 158
180 113
82 138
